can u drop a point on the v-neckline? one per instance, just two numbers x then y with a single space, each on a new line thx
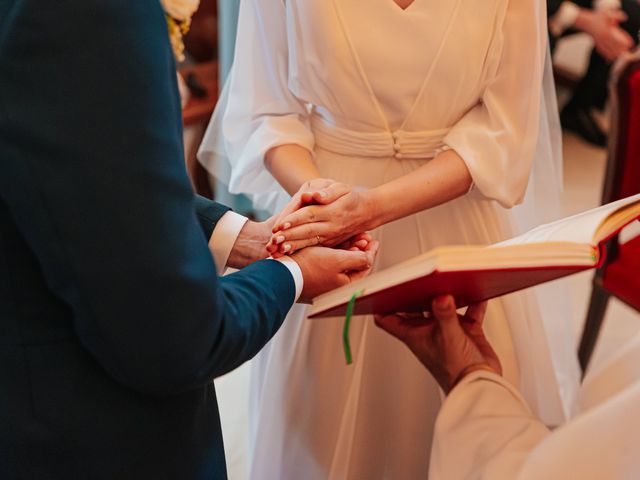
405 9
364 77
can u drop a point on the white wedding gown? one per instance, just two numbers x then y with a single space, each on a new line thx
374 92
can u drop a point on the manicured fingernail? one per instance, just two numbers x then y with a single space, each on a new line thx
287 247
286 226
279 239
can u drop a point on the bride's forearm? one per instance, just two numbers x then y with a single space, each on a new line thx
442 179
291 165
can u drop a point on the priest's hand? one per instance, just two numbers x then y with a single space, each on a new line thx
449 345
331 216
325 269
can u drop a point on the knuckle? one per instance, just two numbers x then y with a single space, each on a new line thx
308 231
312 214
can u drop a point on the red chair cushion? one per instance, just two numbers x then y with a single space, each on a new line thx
622 276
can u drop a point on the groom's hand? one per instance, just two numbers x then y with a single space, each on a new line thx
249 246
325 269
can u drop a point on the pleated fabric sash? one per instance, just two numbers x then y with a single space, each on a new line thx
399 144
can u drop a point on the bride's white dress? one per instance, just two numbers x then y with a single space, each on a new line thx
374 92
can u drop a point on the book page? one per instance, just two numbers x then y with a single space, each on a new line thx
581 228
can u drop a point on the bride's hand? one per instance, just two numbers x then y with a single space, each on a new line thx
340 217
318 190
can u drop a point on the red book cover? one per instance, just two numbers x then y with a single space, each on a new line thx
466 286
475 273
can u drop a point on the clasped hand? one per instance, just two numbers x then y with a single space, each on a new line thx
323 212
323 268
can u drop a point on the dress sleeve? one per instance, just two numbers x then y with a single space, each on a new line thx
497 137
257 110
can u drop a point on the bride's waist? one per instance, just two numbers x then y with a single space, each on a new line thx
399 143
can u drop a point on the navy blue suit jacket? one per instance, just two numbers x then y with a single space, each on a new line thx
112 320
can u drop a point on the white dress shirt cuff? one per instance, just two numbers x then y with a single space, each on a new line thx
564 18
224 237
296 273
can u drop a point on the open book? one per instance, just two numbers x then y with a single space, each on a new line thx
476 273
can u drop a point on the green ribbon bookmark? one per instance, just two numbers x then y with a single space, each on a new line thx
347 321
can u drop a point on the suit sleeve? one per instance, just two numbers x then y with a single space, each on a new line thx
209 214
93 172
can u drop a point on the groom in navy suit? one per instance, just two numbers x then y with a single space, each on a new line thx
113 322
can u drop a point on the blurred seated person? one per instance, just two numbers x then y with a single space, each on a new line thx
485 430
613 25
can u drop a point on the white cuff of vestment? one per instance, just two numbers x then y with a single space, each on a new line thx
224 237
564 18
296 273
491 379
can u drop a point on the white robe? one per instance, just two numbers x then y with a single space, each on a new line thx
375 92
485 430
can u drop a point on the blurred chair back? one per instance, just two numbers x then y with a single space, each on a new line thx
201 77
623 165
619 275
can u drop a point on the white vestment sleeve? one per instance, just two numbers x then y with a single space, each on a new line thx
497 138
256 111
484 430
602 443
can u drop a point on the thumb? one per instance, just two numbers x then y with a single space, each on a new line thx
371 250
353 260
444 309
